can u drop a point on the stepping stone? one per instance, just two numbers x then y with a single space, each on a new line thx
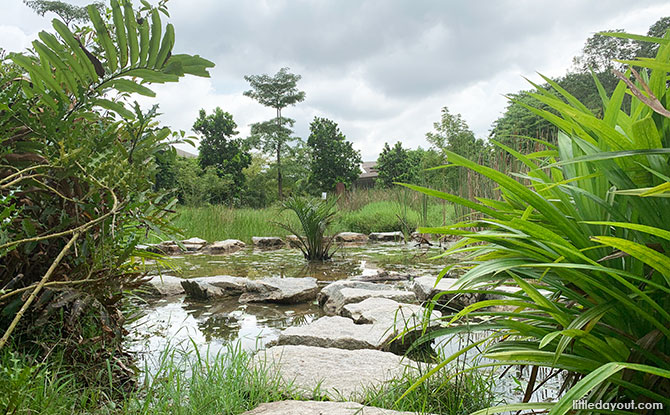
268 242
165 285
351 237
340 293
386 236
220 286
339 374
339 332
426 288
165 248
320 408
280 290
376 310
226 247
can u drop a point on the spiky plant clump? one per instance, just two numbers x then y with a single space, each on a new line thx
315 217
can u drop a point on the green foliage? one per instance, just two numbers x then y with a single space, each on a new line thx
315 217
221 152
582 233
197 186
77 180
385 216
396 165
68 13
333 158
278 92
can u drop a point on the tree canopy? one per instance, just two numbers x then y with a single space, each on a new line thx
333 158
396 164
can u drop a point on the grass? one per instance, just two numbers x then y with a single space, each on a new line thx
362 211
187 383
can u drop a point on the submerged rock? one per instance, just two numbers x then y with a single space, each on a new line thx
351 237
280 290
339 374
340 293
320 408
268 242
206 288
386 236
225 247
165 285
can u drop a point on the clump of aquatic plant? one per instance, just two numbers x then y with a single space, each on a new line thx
583 236
315 217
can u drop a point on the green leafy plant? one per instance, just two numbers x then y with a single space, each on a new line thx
315 216
76 179
583 235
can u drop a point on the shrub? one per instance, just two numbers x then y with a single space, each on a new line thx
315 217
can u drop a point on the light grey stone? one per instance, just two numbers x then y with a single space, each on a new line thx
386 236
340 293
165 285
319 408
426 288
339 332
351 237
225 247
280 290
194 244
206 288
268 242
338 373
165 248
390 313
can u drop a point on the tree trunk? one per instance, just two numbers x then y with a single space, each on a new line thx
280 189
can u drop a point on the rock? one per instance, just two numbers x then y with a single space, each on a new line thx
339 374
194 244
351 238
281 290
382 276
421 238
268 242
426 289
386 236
165 285
205 288
340 293
336 331
320 408
226 247
166 248
292 241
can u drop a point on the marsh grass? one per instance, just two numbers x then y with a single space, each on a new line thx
186 381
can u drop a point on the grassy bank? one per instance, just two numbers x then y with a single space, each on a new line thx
361 211
187 384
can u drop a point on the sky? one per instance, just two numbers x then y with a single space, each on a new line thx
381 69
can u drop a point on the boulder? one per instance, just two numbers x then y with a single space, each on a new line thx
386 236
320 408
292 241
339 374
351 238
268 242
382 276
194 244
206 288
339 332
340 293
165 248
280 290
426 288
226 247
165 285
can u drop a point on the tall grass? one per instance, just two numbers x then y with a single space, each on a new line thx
583 233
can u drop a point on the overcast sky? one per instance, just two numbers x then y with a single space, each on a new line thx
382 69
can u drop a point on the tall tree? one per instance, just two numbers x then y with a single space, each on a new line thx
278 92
219 149
333 158
396 164
67 12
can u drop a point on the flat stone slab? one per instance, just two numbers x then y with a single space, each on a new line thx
220 286
339 332
340 374
226 247
320 408
280 290
426 288
351 237
340 293
389 313
165 248
165 285
268 242
386 236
